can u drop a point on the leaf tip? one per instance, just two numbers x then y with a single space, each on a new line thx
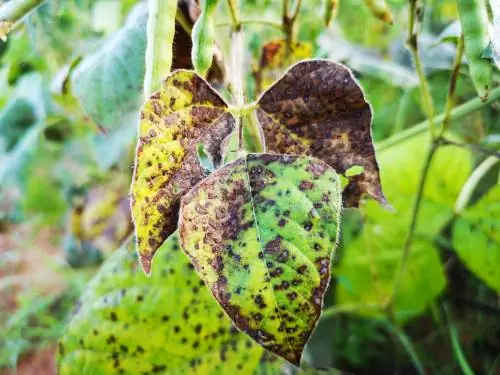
145 260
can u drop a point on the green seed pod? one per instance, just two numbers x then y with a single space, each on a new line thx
330 9
160 33
474 21
380 10
203 37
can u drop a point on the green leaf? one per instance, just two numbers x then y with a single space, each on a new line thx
317 108
369 266
261 232
476 238
127 323
108 83
174 121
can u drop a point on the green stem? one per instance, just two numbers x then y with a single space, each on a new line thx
160 35
412 44
12 12
273 24
413 224
237 76
457 113
234 14
404 340
473 147
335 310
474 179
450 102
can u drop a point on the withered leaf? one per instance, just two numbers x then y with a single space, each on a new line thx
260 232
317 108
274 60
185 112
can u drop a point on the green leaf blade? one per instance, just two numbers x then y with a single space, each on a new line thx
261 232
476 238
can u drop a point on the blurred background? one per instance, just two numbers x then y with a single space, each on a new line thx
71 77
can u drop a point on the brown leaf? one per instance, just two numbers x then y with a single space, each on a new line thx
317 108
185 112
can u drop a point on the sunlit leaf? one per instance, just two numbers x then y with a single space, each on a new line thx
169 323
174 121
476 238
109 82
317 108
261 232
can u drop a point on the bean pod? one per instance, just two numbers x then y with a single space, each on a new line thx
474 21
160 36
203 36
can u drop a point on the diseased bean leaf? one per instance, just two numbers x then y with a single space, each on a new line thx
260 232
185 112
476 238
127 323
317 108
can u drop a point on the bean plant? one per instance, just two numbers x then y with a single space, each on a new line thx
258 191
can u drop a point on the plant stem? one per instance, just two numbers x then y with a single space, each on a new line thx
413 223
12 12
469 186
474 147
234 15
160 36
334 310
452 87
403 339
412 45
273 24
237 76
289 23
457 113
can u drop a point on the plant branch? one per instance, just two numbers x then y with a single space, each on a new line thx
234 15
12 12
289 23
237 76
412 45
473 147
457 113
335 310
450 101
408 346
413 224
273 24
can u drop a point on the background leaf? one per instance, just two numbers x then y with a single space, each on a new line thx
128 323
108 83
476 238
370 263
